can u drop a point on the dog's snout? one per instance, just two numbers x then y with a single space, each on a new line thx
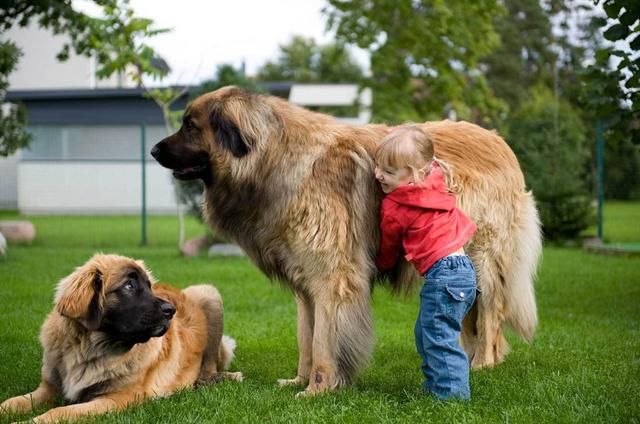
155 152
167 309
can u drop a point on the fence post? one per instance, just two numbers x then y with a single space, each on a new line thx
143 158
600 174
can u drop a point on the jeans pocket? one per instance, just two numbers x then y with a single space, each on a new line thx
459 300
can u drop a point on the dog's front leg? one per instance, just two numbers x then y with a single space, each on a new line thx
323 375
100 405
44 394
305 342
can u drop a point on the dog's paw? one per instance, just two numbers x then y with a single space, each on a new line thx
303 394
235 376
218 378
298 381
307 393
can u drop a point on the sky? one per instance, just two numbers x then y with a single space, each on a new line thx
208 33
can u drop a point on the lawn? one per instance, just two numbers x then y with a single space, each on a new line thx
583 365
620 222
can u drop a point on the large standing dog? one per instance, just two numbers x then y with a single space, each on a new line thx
296 190
115 338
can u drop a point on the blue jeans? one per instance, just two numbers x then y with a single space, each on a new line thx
447 295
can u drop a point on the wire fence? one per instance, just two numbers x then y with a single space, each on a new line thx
97 185
92 185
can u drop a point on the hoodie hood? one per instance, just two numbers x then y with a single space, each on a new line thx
432 194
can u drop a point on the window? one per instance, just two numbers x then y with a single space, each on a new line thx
86 142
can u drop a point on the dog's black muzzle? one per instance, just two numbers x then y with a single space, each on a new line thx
186 164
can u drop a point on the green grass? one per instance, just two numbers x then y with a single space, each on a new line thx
583 366
103 232
620 223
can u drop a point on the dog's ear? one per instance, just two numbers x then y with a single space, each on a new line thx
80 296
147 271
229 135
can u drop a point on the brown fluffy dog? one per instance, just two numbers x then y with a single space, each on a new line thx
115 338
296 190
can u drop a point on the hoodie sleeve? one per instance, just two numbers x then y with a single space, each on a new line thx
390 243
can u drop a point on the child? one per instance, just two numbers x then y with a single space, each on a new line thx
420 216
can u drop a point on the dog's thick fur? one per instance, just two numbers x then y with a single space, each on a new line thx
295 189
113 339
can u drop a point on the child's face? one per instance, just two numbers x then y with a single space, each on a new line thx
390 178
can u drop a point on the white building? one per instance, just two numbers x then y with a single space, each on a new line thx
38 68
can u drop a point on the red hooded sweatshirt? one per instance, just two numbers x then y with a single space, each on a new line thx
425 221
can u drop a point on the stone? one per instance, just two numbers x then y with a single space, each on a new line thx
226 250
3 245
192 246
18 231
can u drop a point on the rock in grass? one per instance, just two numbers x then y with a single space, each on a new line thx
3 245
225 250
18 231
192 246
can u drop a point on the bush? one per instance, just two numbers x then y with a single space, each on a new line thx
622 170
549 140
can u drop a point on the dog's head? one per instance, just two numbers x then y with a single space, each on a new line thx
218 129
113 294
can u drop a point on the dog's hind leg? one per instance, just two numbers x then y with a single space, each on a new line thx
469 335
44 394
218 353
506 264
488 347
305 342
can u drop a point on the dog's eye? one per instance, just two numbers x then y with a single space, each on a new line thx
129 285
189 125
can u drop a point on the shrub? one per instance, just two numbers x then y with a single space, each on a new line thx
549 140
622 170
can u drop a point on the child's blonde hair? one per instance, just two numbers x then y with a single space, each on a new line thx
409 147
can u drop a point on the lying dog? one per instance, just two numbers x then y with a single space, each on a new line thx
116 338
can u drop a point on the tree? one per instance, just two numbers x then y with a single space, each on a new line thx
304 61
12 117
225 75
534 52
548 137
525 57
609 99
626 28
424 55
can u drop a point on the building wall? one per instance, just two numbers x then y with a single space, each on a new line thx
90 142
38 67
91 169
9 185
67 187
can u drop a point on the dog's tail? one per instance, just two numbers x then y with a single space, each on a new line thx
226 352
520 302
404 277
